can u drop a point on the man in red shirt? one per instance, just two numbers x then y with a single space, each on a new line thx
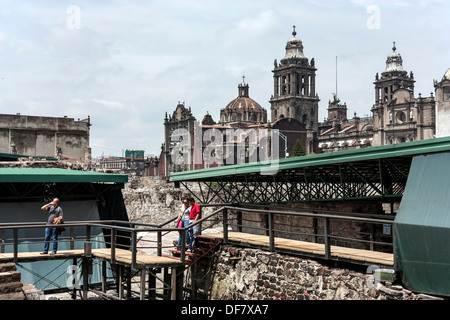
194 216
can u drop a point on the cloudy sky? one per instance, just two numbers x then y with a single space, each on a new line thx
125 63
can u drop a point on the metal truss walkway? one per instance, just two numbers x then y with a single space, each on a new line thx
148 259
367 173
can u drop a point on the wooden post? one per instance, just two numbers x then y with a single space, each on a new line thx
225 226
104 276
166 278
133 250
271 233
173 284
113 246
3 232
85 270
159 241
16 245
183 246
128 276
326 227
372 236
179 282
74 275
142 293
120 282
151 284
72 238
239 221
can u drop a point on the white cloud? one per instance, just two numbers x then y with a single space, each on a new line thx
131 61
112 105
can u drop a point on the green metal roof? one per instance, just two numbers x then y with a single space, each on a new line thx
39 175
13 157
402 150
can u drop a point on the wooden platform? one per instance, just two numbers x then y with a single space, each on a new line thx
121 256
281 244
316 249
142 259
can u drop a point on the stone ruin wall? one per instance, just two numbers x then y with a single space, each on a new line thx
154 200
249 274
55 137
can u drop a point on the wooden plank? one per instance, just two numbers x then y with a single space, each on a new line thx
123 256
311 248
37 256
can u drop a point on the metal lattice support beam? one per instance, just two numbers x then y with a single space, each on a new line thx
346 181
368 173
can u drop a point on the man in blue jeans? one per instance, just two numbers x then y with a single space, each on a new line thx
55 216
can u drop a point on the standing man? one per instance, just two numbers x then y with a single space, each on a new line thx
55 216
194 215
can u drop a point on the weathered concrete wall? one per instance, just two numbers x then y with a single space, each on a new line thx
45 136
249 274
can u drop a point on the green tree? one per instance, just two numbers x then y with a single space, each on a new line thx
298 149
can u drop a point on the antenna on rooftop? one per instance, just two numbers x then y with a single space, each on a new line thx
336 80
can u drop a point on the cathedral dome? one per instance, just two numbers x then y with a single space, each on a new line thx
243 108
243 101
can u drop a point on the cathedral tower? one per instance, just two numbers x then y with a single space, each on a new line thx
392 78
397 115
294 93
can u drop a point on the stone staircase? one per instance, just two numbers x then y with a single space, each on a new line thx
198 266
12 289
205 246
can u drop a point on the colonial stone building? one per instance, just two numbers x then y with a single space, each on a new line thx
294 92
340 133
397 115
442 90
186 141
53 137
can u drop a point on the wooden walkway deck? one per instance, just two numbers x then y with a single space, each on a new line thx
121 256
281 244
316 249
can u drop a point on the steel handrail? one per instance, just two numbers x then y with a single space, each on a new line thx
132 228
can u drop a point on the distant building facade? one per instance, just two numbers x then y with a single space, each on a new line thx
134 162
442 96
397 115
53 137
294 93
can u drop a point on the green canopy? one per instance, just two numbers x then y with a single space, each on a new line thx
422 226
38 175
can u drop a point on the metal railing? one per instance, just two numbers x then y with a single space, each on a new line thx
270 226
125 234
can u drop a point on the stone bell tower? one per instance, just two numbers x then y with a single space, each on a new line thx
294 92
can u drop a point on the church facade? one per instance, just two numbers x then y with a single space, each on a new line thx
397 116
